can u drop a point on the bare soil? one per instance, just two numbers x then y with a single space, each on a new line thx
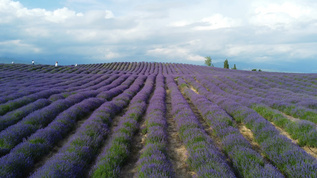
283 132
247 133
310 150
193 89
293 118
130 167
175 149
208 129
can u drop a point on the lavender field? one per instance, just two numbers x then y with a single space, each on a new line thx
156 120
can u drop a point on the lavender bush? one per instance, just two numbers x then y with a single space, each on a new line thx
14 116
42 106
44 139
117 151
153 161
204 157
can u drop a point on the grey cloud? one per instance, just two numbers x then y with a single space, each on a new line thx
181 31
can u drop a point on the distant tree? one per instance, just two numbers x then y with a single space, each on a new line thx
234 67
208 61
226 64
260 70
253 70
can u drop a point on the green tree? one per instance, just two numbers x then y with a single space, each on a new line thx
226 64
234 67
208 61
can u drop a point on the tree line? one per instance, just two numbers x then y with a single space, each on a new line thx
208 62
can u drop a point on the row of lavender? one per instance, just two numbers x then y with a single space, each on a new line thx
204 157
288 157
76 156
154 161
140 68
263 100
27 125
246 161
23 157
62 99
35 101
38 117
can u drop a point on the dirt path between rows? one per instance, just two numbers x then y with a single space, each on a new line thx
130 167
310 150
176 151
247 134
295 119
208 129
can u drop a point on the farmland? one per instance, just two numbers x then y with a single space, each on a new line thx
156 120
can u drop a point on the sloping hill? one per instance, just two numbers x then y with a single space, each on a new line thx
155 119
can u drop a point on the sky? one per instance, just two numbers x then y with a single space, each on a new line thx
271 35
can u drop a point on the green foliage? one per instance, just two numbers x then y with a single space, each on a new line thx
111 161
226 64
2 144
208 60
183 85
234 67
253 70
4 109
303 132
144 130
37 140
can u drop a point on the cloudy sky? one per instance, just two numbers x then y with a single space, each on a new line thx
272 35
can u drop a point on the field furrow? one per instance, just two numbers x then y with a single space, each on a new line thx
153 119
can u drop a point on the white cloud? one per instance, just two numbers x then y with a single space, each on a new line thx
263 30
37 32
283 15
174 52
181 23
108 14
216 21
60 15
19 46
268 52
105 53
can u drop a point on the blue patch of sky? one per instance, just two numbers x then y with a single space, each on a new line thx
43 4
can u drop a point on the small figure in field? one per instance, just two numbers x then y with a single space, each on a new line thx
56 63
12 62
75 65
33 62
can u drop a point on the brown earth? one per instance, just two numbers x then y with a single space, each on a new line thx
310 150
176 151
130 168
247 133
